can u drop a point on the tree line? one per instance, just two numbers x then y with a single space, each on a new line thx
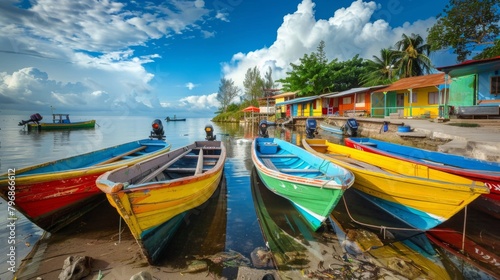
470 28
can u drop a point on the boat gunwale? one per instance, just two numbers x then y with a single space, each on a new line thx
70 173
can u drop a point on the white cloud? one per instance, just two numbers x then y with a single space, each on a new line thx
78 54
348 32
200 102
190 85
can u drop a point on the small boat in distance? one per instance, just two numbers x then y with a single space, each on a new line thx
59 121
53 194
154 196
417 195
313 185
175 119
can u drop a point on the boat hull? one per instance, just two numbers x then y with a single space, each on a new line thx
154 209
417 195
314 198
474 169
467 252
54 194
59 126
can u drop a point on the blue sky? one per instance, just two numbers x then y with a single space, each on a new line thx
167 57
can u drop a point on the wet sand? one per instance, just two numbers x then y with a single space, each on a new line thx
114 255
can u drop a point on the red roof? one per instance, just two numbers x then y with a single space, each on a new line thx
251 109
415 82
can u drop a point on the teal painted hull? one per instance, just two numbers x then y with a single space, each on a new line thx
154 240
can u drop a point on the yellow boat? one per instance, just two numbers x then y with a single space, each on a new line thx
153 196
419 196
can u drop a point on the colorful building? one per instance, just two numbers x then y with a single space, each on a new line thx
352 102
301 107
474 87
414 97
281 110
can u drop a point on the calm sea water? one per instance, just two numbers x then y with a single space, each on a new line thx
243 234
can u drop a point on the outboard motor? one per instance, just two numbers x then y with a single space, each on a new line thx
263 129
157 132
33 118
351 127
311 126
209 130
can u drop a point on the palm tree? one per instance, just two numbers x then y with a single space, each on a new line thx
381 70
412 56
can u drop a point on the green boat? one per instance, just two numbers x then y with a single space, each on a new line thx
59 122
313 185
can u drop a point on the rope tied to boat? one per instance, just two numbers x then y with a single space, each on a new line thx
382 228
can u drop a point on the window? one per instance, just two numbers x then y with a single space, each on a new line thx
495 85
360 98
346 100
413 97
433 97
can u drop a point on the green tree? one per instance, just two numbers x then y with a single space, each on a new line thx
466 25
347 74
253 84
310 77
412 56
227 92
381 69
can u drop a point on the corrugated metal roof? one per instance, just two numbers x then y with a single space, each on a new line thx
351 91
284 94
297 100
415 82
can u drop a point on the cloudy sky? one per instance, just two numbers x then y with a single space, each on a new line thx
167 57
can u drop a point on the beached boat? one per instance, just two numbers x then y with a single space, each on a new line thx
55 193
420 196
475 261
59 121
313 185
332 128
474 169
154 196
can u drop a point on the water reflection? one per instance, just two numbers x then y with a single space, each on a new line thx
247 225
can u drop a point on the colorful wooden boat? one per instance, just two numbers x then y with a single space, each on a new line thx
154 196
313 185
474 169
420 196
55 193
476 261
59 121
339 130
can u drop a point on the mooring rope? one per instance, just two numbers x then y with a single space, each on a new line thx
383 229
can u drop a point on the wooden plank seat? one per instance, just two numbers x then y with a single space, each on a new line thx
277 156
118 157
204 156
267 162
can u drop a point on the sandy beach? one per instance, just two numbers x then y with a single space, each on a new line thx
114 255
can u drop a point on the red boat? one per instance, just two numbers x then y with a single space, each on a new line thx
466 250
53 194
